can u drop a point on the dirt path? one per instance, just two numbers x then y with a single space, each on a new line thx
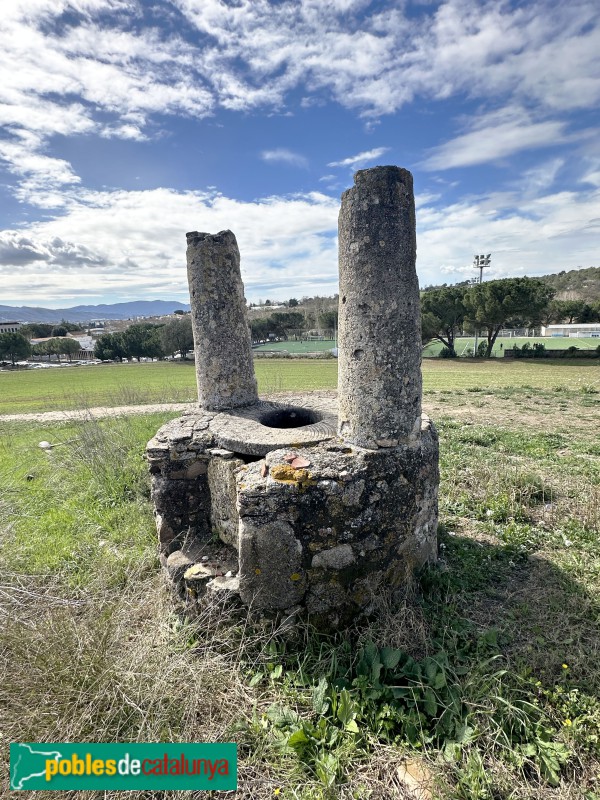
121 411
477 409
95 413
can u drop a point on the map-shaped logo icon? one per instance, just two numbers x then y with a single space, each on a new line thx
28 762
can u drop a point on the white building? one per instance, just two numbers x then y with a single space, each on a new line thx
9 327
576 330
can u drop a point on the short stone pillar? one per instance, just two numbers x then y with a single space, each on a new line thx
224 366
379 379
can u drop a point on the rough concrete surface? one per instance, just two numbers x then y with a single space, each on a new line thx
224 366
379 343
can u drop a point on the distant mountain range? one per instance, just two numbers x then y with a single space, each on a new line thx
572 285
136 308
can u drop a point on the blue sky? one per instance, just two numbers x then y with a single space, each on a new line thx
126 123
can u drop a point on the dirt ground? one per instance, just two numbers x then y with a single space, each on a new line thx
475 408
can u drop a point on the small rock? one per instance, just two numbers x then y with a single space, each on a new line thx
264 470
335 558
221 452
223 584
177 564
45 445
300 462
386 442
417 779
200 572
289 457
198 468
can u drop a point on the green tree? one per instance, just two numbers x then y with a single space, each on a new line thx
260 329
292 302
282 322
69 347
567 311
553 313
58 330
14 346
443 314
110 347
177 335
39 349
511 302
587 314
429 327
53 347
142 340
70 327
328 320
36 330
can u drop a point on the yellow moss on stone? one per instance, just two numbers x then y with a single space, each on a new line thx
285 473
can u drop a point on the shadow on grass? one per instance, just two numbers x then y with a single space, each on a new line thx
543 617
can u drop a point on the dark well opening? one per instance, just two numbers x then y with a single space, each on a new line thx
289 417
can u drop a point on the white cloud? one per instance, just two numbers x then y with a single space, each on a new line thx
132 244
110 72
541 52
84 79
541 177
545 234
113 74
495 136
360 158
282 155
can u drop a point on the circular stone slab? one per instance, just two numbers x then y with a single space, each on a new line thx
270 424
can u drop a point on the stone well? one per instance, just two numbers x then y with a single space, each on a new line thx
288 504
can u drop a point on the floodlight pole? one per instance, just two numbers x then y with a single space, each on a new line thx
480 262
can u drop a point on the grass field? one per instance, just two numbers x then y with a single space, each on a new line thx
466 343
90 649
297 347
129 384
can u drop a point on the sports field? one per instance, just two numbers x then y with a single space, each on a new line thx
163 382
303 346
466 343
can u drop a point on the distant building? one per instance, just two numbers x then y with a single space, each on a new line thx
576 330
9 327
86 341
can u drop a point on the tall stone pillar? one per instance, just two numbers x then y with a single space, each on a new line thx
224 367
379 359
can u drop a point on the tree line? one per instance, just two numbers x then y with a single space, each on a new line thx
16 346
142 340
448 311
285 324
146 340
